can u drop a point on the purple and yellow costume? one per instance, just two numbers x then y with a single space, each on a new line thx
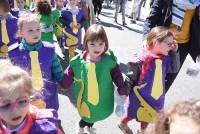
72 37
46 56
147 94
37 121
8 32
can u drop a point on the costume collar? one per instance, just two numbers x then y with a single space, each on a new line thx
31 47
73 10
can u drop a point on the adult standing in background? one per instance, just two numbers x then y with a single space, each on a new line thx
121 3
182 17
97 7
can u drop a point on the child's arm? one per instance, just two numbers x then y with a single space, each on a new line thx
57 70
133 74
174 64
68 78
118 80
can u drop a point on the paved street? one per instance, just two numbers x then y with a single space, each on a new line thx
125 41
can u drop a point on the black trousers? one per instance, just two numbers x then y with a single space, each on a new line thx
83 124
170 77
97 6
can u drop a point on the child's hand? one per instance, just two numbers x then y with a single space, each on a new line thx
78 25
71 25
174 46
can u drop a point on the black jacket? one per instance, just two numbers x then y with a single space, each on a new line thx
161 15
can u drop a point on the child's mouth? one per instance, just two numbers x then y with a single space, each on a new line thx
16 118
96 52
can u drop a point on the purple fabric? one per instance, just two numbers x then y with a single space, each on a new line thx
11 24
133 103
118 80
67 16
68 78
21 57
46 125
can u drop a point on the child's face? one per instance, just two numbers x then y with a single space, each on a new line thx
59 3
96 48
2 11
183 125
165 46
13 107
72 2
20 4
31 32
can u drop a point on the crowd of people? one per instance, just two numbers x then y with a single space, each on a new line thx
33 35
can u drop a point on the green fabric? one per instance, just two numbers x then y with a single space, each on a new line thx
56 14
47 21
106 89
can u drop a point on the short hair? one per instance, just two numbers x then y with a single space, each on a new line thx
5 4
95 32
25 17
43 7
190 108
13 77
158 33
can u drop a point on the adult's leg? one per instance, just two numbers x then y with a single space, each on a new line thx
123 6
117 4
170 77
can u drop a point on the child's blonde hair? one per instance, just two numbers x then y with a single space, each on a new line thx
189 109
26 17
158 33
13 77
95 32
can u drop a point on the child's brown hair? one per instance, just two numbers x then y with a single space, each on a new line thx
13 77
5 4
43 7
95 32
158 33
189 109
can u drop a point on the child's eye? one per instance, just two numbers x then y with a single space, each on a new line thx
5 106
101 44
38 29
22 102
30 30
91 44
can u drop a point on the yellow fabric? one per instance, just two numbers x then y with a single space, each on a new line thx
82 107
183 36
145 113
4 33
72 52
15 3
75 29
93 89
37 79
157 88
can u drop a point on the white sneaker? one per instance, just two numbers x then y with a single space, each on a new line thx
80 130
91 130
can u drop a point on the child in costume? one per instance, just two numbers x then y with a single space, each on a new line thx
93 73
56 13
39 59
14 3
146 78
17 115
182 118
20 8
46 20
8 28
73 20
